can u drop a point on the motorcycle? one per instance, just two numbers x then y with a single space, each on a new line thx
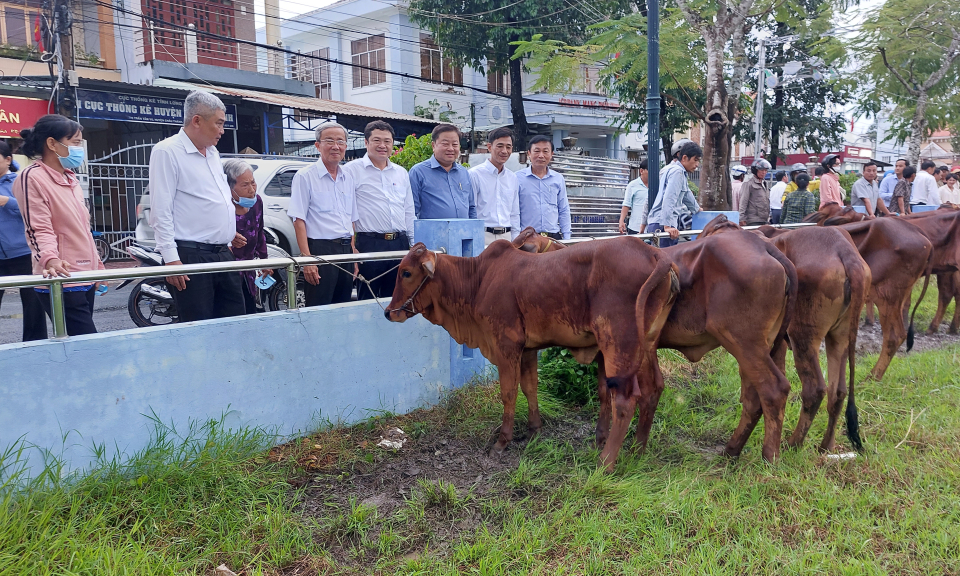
103 247
151 303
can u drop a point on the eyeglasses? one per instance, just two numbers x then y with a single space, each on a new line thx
331 142
379 141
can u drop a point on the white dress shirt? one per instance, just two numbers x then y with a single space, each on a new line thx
776 195
497 196
925 189
384 197
189 196
327 207
948 194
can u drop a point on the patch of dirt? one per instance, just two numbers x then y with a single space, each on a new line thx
395 482
870 339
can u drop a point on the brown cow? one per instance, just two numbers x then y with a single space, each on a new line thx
898 254
611 296
942 227
723 302
828 210
833 284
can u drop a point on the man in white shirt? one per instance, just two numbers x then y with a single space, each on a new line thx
384 207
323 207
497 190
192 212
776 195
636 202
925 186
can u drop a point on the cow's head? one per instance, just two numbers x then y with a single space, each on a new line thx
845 215
828 210
530 241
719 224
415 271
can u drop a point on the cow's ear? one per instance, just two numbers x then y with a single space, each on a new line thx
429 266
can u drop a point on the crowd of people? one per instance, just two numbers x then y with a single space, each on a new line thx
790 195
205 210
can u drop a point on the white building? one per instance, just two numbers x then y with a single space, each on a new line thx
379 34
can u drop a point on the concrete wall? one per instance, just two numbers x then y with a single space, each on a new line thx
284 371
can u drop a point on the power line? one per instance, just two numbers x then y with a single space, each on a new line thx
329 60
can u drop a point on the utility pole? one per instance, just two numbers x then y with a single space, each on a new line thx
473 128
653 101
762 88
67 82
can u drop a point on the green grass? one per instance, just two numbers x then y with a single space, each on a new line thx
184 506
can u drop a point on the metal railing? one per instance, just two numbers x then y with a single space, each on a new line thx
292 264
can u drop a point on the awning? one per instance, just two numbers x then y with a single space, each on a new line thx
352 116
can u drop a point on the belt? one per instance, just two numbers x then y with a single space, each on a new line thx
498 230
340 241
190 245
554 235
383 235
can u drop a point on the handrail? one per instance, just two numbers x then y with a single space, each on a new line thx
291 264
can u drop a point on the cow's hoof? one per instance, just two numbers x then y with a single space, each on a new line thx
533 432
497 450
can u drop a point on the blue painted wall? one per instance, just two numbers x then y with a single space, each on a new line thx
284 371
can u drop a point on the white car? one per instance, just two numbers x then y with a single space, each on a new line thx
274 175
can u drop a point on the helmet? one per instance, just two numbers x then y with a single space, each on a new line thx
738 170
827 162
678 145
760 164
955 169
798 167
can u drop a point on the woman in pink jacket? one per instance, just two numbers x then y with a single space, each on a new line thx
830 181
56 221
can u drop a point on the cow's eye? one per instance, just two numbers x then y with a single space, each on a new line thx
405 273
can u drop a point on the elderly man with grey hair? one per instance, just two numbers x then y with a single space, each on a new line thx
192 211
323 206
251 240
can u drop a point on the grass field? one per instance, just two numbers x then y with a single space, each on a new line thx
183 507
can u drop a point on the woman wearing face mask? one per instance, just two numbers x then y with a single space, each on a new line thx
56 221
251 241
830 181
14 252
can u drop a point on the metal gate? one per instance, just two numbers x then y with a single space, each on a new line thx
115 183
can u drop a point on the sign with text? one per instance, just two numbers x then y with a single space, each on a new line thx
19 113
137 108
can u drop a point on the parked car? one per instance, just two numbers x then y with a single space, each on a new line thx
274 176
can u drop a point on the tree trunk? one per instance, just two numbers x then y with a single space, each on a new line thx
714 173
918 129
516 100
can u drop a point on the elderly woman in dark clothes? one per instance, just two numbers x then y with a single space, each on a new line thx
251 241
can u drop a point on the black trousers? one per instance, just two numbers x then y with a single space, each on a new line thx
208 296
249 300
335 284
77 310
383 286
34 324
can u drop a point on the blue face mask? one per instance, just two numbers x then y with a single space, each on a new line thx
245 202
75 157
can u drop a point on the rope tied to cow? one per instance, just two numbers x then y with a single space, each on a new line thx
324 261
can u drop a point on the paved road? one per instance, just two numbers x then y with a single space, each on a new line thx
110 313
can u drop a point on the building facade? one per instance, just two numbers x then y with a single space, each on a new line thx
379 34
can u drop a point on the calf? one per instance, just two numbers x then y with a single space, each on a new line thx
611 296
833 284
738 292
942 227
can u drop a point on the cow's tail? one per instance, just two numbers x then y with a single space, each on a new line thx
857 283
651 314
923 292
791 291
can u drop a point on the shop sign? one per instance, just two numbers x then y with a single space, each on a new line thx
138 108
19 113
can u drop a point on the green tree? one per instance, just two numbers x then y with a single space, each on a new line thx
480 33
807 104
913 61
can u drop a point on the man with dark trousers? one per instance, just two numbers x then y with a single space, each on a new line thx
384 207
192 211
323 207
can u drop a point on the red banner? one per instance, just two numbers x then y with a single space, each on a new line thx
19 113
